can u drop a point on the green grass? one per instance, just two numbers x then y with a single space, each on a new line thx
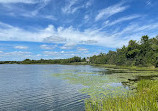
152 68
145 99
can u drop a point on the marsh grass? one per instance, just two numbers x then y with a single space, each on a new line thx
127 67
97 83
104 96
94 84
145 99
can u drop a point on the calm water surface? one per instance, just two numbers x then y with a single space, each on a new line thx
33 88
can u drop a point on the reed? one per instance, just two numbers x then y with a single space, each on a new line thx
144 99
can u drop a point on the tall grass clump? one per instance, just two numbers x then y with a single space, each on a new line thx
144 99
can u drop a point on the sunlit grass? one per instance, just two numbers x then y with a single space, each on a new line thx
145 99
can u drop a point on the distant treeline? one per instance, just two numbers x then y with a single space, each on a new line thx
43 61
54 61
137 53
10 62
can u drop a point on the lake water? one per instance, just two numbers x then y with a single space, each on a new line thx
33 88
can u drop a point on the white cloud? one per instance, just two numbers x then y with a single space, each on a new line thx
68 8
111 10
38 55
82 49
62 51
70 36
43 4
15 54
50 53
49 17
15 10
86 17
36 15
89 3
21 47
65 54
18 1
18 56
68 46
48 46
4 25
107 23
71 7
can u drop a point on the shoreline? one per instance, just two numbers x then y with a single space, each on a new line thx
136 68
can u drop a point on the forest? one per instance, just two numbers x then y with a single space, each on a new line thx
137 53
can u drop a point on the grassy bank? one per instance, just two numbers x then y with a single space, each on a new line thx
145 99
152 68
136 68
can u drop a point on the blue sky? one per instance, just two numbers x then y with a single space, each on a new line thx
52 29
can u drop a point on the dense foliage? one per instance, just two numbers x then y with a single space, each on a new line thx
55 61
10 62
141 53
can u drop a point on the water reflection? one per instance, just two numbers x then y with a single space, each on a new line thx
52 87
32 88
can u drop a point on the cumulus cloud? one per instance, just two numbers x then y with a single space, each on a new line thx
68 46
50 53
48 46
21 47
17 55
89 42
55 39
82 49
110 11
66 54
70 36
20 55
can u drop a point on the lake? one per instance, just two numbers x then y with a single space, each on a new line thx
49 87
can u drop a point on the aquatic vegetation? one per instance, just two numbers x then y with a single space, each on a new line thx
110 92
145 99
95 84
